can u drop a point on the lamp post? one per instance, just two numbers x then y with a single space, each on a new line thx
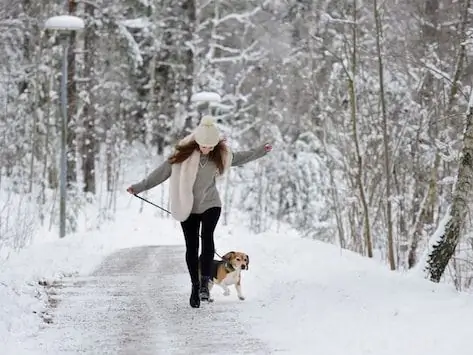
64 25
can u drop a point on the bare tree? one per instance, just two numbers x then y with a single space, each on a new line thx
425 197
351 75
88 146
387 163
72 102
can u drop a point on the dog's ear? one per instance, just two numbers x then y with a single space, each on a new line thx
229 255
247 261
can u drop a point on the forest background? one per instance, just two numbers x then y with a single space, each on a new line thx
366 103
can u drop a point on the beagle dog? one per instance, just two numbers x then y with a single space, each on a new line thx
227 272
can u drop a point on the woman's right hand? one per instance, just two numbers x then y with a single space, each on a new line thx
130 190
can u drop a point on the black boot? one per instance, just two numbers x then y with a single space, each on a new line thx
204 288
194 300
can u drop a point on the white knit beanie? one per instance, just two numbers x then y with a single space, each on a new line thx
206 133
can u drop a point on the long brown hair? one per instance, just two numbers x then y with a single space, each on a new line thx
184 151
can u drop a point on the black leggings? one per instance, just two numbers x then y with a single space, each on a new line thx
191 227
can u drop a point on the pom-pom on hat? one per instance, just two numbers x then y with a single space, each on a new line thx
206 133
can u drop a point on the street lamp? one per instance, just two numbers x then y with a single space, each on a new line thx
205 97
64 25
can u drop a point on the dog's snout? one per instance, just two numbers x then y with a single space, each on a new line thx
243 266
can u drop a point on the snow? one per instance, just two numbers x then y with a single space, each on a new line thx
302 296
137 23
206 96
64 22
134 47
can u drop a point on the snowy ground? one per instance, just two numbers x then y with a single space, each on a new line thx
135 302
302 297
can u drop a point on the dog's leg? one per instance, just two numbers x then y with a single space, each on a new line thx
226 290
211 285
238 289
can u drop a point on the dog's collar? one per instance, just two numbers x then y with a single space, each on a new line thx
229 266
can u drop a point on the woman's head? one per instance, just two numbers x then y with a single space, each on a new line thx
206 139
206 134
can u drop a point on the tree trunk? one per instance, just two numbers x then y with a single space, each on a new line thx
402 245
452 98
429 37
336 205
72 102
189 9
427 203
23 85
446 243
89 137
27 13
359 173
109 164
387 163
444 247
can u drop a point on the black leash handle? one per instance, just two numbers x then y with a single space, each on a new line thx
165 210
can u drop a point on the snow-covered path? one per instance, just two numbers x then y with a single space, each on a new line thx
136 302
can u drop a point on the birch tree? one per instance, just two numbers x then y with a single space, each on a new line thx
443 247
446 239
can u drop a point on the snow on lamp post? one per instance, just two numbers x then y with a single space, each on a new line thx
64 25
205 97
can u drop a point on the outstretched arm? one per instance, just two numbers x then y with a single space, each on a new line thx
240 158
156 177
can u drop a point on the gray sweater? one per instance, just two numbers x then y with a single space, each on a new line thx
205 190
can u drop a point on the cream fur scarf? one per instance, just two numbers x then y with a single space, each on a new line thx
182 182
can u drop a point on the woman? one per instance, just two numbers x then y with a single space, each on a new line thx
199 159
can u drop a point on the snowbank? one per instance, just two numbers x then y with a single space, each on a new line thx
22 296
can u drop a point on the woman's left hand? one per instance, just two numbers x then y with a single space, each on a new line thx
268 147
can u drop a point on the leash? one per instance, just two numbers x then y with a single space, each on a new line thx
165 210
151 203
